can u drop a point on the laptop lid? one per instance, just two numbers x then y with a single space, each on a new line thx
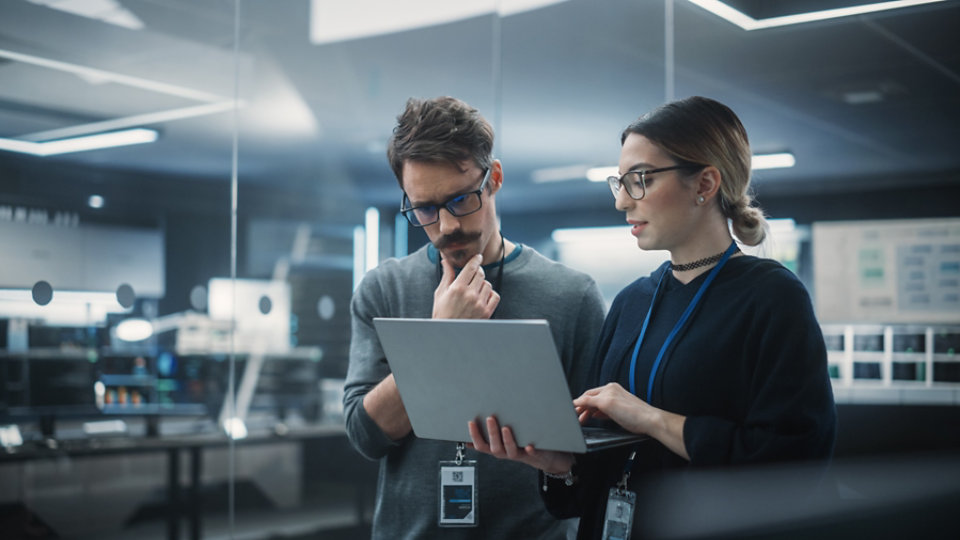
449 371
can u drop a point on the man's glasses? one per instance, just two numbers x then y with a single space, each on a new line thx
459 206
635 182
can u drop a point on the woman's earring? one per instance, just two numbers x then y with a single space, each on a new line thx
700 199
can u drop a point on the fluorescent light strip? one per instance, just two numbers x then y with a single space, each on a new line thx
758 161
722 10
103 427
746 22
400 230
115 132
587 234
782 160
119 78
80 144
600 174
558 174
108 11
358 246
372 239
135 120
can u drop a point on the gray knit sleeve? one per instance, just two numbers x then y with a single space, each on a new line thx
368 366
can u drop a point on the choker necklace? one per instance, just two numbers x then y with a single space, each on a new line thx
699 263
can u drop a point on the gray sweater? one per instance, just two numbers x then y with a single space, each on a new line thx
509 505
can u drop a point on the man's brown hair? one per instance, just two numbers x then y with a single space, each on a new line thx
440 130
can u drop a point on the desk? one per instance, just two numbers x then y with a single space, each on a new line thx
180 505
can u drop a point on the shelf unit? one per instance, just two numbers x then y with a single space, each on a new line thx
898 363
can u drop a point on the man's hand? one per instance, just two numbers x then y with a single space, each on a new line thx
503 445
467 296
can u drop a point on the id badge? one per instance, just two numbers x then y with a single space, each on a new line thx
618 520
458 494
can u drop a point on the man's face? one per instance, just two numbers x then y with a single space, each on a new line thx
457 238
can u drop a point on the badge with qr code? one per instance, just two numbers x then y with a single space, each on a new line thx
458 494
618 521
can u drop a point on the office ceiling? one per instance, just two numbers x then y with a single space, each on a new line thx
864 102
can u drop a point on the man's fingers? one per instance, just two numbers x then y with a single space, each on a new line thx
509 442
493 432
448 273
467 296
492 302
479 443
472 273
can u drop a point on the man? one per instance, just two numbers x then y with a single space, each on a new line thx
440 152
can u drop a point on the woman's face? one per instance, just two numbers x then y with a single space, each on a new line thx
665 217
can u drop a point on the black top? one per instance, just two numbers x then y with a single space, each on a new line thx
749 371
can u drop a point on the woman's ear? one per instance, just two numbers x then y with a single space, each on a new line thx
708 184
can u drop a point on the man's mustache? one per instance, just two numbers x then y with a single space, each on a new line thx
458 237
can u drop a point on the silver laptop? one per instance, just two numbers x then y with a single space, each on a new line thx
451 371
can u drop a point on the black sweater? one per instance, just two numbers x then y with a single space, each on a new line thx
749 371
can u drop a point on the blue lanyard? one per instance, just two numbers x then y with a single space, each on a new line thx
676 328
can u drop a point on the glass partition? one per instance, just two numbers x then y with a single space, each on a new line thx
115 173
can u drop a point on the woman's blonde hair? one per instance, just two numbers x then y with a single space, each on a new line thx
702 131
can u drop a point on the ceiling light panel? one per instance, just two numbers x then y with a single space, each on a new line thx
68 86
108 11
55 99
341 21
729 10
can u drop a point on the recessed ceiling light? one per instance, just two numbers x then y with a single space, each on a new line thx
723 10
95 201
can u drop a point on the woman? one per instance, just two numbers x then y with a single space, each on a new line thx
717 356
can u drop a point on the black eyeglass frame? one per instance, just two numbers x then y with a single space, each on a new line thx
616 182
407 211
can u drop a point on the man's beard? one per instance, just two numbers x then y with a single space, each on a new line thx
459 256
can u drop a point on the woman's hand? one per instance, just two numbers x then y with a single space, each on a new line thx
614 402
503 445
